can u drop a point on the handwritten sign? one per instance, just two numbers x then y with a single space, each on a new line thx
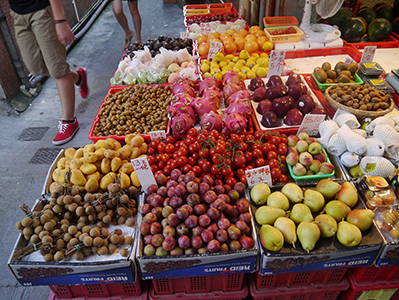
257 175
214 48
349 60
184 35
310 124
368 54
143 171
205 28
276 62
158 134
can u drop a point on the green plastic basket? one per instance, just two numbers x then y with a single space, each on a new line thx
324 86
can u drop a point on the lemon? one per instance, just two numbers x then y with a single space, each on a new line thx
227 61
222 64
204 68
230 57
214 64
245 69
207 74
205 61
267 46
262 72
240 62
244 54
219 56
237 69
226 68
250 63
231 64
255 55
263 62
265 55
251 74
218 76
235 59
224 71
242 75
255 68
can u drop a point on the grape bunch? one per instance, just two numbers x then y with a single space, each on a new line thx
32 274
155 268
279 265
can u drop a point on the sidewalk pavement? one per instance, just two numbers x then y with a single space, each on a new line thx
26 148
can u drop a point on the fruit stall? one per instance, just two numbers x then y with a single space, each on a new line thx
219 167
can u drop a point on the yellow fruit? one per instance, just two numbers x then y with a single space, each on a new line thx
255 68
245 70
207 74
70 152
218 76
126 168
77 177
255 55
88 168
244 54
250 63
105 165
254 28
262 72
219 56
230 57
135 180
78 153
205 61
250 37
251 74
107 180
242 75
124 180
240 62
116 163
267 46
265 55
222 64
204 68
237 69
263 62
224 72
235 59
91 185
226 68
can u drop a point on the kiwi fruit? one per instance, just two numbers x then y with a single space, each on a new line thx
340 66
326 66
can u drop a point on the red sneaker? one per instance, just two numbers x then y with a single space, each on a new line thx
83 88
66 132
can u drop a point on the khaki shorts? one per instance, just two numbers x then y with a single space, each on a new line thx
42 52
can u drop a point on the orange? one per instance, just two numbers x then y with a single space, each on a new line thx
230 47
259 33
250 37
251 46
240 43
237 35
224 36
228 39
254 28
214 35
231 31
202 38
261 40
243 32
203 49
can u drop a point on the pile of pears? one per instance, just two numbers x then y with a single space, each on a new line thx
306 215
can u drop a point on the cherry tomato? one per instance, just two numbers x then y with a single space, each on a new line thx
178 144
192 161
212 152
271 155
151 151
257 135
195 155
236 138
192 132
161 164
249 137
197 170
217 158
248 156
167 170
275 140
161 147
154 143
165 157
194 147
267 136
239 172
231 181
282 149
182 161
243 146
274 163
257 153
239 159
283 139
201 138
189 140
243 179
151 160
220 148
187 168
206 166
182 151
260 162
267 147
214 133
282 158
227 161
170 140
276 173
174 165
256 146
249 167
156 174
214 169
282 179
154 168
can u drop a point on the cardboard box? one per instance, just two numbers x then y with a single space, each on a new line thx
155 267
328 253
32 270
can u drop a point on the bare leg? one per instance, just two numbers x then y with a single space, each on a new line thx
134 11
66 90
121 18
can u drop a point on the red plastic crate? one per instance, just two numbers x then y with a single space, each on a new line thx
373 273
300 278
198 284
96 291
311 292
391 42
351 51
280 21
221 8
371 290
220 294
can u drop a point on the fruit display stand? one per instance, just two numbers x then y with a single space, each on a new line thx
391 42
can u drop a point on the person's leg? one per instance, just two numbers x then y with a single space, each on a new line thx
66 90
122 20
134 11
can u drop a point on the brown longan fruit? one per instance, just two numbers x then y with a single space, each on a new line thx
35 222
60 200
19 226
121 220
77 199
67 199
82 236
121 239
106 219
83 219
74 191
49 212
80 225
44 218
97 242
34 239
110 212
112 248
80 211
98 208
94 232
124 199
121 211
92 217
68 215
49 226
114 238
60 244
88 241
47 239
64 227
72 230
103 250
86 229
67 237
129 222
38 229
88 197
26 221
128 240
124 252
43 233
27 231
64 221
79 255
48 257
87 252
89 210
100 215
56 233
74 241
118 231
72 207
104 231
59 255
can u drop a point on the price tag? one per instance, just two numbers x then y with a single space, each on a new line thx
213 49
159 134
184 35
368 54
257 175
143 171
276 62
206 28
349 60
310 124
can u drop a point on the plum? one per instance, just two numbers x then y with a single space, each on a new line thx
305 104
274 80
255 83
281 106
293 117
274 92
259 94
264 106
295 91
270 119
293 79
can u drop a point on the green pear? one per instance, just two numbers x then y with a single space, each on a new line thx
327 225
328 188
362 218
287 228
314 200
308 235
356 171
279 200
348 234
268 214
337 209
293 192
259 193
348 194
300 213
271 238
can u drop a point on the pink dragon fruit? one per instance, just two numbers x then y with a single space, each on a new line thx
202 106
211 120
231 77
181 124
207 83
236 123
213 94
182 98
180 108
183 87
242 106
231 88
243 94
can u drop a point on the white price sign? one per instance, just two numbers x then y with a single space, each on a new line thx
206 28
214 48
184 35
257 175
368 54
310 124
143 171
276 62
349 60
159 134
